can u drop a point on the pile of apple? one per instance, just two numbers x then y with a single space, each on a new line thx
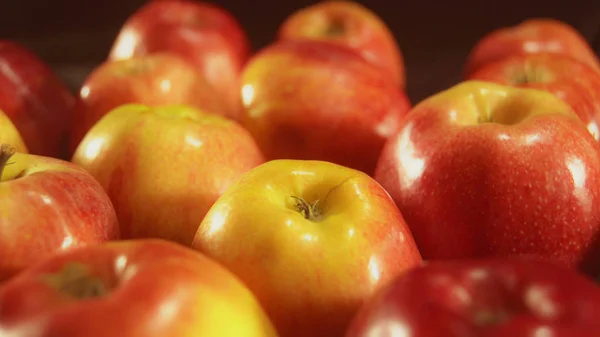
193 188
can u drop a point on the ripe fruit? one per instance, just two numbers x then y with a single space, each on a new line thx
487 170
320 101
156 79
537 35
311 239
46 206
484 298
203 34
163 167
132 288
351 24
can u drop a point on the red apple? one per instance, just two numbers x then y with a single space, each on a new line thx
204 34
313 240
483 169
146 288
48 205
10 135
163 167
537 35
351 24
574 82
483 298
35 99
306 99
156 79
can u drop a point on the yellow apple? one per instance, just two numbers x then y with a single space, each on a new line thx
311 239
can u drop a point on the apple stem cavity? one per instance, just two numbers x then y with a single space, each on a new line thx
76 281
310 211
336 27
6 152
485 318
531 75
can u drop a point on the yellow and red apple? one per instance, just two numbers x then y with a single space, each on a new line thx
202 33
313 100
351 24
156 79
313 240
163 167
48 205
149 288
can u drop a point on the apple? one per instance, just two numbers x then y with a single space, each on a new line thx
10 135
163 167
484 298
535 35
313 100
489 170
311 239
35 99
156 79
48 205
204 34
574 82
145 287
351 24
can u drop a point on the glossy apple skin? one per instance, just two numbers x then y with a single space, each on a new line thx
35 99
536 35
54 206
10 135
314 100
351 24
574 82
156 79
471 188
310 276
156 288
483 298
164 167
205 35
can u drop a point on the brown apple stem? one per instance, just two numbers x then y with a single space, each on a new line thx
6 151
76 281
485 318
310 211
337 27
530 75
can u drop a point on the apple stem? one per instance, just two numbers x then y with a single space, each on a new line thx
6 151
309 211
76 281
337 27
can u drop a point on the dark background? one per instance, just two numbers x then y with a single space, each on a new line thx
435 36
